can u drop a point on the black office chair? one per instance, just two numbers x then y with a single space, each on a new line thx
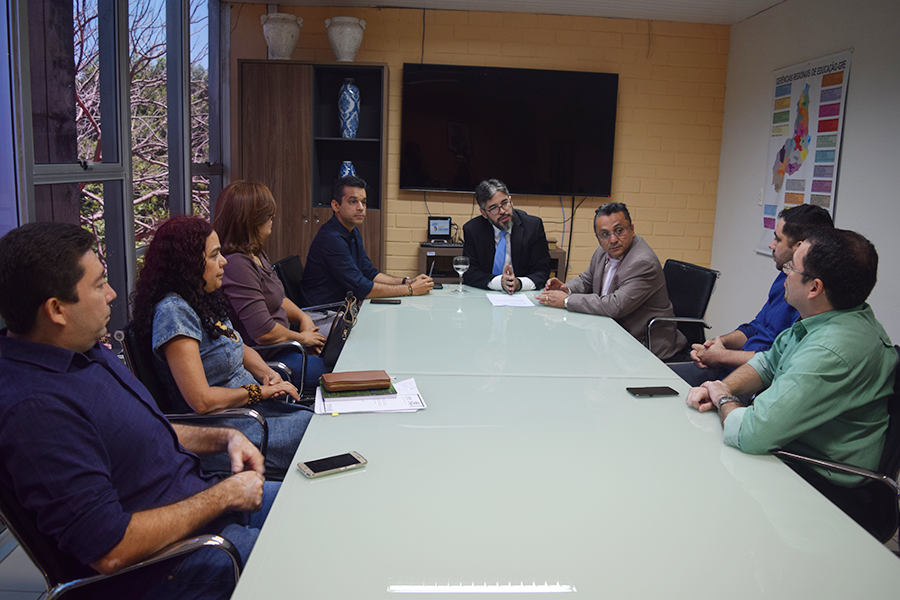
139 358
877 505
340 331
690 288
63 573
290 272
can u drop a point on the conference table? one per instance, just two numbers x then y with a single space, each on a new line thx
532 470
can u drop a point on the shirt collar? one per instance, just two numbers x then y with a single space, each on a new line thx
802 327
497 231
51 358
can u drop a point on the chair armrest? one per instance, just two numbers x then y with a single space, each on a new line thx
269 351
287 374
329 306
842 468
675 320
177 549
230 413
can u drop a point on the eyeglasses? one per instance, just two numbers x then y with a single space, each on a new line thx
618 232
496 208
789 268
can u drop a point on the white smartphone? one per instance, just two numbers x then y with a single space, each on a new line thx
332 464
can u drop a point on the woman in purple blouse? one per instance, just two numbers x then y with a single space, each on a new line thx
257 306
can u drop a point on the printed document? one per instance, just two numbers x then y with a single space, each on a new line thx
407 399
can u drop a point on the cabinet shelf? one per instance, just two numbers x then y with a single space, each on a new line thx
348 140
290 140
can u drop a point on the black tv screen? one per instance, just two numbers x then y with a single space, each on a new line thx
540 132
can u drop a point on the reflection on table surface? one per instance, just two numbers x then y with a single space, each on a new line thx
448 333
533 470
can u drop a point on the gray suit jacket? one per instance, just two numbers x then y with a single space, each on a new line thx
638 294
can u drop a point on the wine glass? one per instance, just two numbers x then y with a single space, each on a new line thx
461 265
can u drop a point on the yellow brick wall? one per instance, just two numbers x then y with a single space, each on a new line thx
669 120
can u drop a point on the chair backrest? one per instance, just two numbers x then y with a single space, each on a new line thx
340 331
142 364
890 458
290 272
885 503
690 287
56 566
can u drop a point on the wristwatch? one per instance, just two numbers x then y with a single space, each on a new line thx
566 303
726 399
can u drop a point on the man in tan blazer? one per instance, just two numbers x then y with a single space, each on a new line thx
624 281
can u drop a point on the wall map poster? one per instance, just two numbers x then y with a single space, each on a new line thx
805 137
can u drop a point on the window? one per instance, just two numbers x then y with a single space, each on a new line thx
88 64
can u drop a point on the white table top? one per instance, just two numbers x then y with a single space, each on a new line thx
512 478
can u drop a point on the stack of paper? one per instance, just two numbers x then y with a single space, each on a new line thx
407 399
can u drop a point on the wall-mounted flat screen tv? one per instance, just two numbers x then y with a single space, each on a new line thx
540 132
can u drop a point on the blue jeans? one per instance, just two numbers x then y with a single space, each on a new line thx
208 574
315 366
287 423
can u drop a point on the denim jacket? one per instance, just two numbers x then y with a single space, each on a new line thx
223 358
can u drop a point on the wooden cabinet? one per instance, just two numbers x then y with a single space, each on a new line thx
290 140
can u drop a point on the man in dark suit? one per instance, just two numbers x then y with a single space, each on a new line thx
504 241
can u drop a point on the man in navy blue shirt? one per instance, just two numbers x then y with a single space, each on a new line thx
83 444
714 359
337 263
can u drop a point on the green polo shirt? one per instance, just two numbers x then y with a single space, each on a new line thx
826 381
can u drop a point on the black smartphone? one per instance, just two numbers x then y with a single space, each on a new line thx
438 286
384 301
650 392
332 464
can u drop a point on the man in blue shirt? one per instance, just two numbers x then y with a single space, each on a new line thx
83 445
714 359
337 263
823 386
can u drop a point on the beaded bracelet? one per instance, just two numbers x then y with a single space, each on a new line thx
255 393
410 290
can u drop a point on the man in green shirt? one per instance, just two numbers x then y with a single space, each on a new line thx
826 379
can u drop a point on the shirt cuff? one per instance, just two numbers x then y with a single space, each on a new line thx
495 283
527 284
732 427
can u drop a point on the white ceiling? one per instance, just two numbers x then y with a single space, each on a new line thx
722 12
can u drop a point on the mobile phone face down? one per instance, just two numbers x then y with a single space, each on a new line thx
650 392
384 301
331 464
438 286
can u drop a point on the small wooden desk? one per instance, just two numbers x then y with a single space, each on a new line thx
443 263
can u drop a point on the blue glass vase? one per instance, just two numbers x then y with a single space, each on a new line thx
348 109
348 114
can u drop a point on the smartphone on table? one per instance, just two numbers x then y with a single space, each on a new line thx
650 392
332 464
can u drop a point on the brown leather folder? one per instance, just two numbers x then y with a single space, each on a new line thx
355 380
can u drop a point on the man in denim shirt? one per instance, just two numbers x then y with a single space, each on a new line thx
826 379
83 445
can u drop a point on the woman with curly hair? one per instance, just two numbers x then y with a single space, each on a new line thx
202 360
257 306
